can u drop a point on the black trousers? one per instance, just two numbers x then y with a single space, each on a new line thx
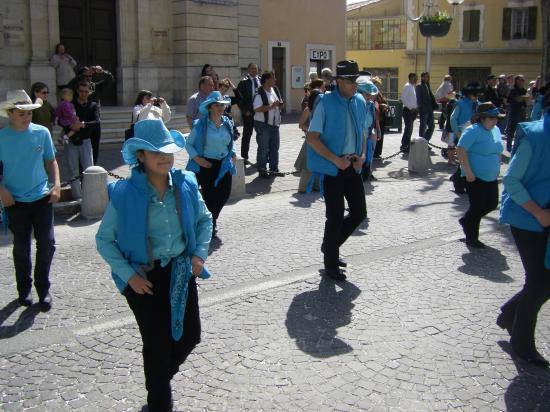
346 185
483 198
379 144
162 356
525 305
215 198
95 139
427 125
24 219
248 128
408 118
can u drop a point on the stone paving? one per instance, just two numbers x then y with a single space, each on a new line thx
413 329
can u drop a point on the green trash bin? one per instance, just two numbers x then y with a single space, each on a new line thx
396 112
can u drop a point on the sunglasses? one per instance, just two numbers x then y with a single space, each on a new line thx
44 92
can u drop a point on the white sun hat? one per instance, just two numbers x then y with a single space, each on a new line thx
18 99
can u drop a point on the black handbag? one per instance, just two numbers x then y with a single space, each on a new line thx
128 133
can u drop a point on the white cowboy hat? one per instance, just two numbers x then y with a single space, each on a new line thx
18 99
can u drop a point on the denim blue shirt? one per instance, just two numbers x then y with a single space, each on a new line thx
216 142
318 121
23 155
164 230
483 148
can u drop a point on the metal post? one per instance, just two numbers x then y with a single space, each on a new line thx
428 54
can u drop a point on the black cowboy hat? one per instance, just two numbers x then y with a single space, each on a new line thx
472 88
347 69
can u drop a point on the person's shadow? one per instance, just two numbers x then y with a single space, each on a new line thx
314 316
530 390
24 322
488 263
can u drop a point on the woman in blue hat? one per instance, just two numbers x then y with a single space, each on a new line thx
369 91
155 236
525 207
212 153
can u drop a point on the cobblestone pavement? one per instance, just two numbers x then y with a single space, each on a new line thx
413 329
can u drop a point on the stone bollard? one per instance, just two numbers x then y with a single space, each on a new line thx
94 192
419 156
238 187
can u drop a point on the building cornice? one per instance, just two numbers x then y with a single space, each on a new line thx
476 51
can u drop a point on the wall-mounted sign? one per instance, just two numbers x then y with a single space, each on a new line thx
297 77
319 54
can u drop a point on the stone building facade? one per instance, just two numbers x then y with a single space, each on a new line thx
159 45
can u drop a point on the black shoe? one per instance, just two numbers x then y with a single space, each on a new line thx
335 274
371 177
263 175
276 173
246 161
475 243
504 322
531 356
342 263
45 302
25 300
461 223
377 157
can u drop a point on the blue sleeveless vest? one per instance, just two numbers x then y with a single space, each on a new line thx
336 107
536 178
130 198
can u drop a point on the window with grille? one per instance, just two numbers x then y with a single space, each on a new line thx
471 23
376 34
519 23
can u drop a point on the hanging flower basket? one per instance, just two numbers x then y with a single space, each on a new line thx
437 25
434 29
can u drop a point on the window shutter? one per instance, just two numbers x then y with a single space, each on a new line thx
474 25
532 24
506 23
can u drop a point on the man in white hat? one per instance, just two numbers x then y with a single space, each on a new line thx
29 186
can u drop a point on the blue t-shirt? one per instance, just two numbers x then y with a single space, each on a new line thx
318 121
23 155
483 148
217 141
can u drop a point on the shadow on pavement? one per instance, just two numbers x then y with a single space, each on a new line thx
313 318
24 322
488 263
304 200
530 390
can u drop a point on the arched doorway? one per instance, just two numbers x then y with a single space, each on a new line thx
88 31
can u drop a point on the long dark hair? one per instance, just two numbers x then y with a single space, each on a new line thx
37 87
141 95
203 71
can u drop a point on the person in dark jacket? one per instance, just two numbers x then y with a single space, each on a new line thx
247 88
426 106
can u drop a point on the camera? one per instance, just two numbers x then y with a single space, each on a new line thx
156 101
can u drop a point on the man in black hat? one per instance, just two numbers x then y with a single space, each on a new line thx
336 152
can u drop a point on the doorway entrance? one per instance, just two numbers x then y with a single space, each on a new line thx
88 31
279 60
464 75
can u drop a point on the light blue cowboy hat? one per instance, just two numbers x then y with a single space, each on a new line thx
214 97
153 136
365 85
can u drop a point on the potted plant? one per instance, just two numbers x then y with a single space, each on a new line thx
437 25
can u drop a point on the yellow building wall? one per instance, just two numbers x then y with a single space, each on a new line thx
510 57
302 22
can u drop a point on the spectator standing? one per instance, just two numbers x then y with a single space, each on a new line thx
208 70
64 65
149 107
78 152
410 111
517 103
382 119
98 79
426 106
326 75
442 97
503 91
45 114
247 88
336 152
524 207
30 184
490 93
206 86
267 119
223 87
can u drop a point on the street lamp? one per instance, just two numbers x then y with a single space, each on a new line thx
429 5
